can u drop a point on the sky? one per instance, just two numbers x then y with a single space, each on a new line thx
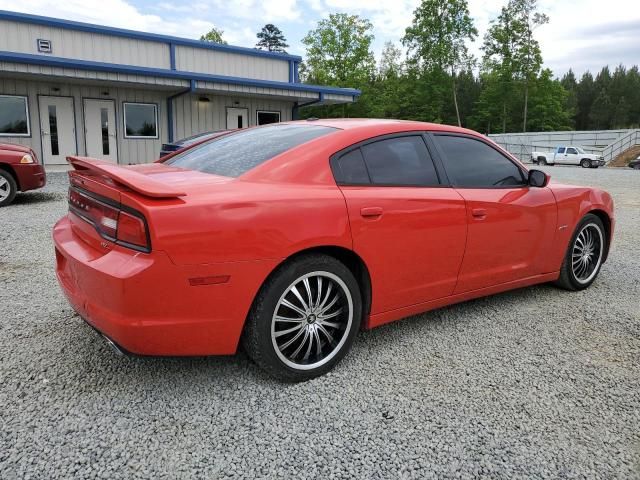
582 34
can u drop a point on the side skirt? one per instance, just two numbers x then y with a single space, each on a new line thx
393 315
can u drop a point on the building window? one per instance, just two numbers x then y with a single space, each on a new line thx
140 120
14 116
265 117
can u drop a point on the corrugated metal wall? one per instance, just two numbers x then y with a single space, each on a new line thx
190 115
129 150
66 43
199 60
22 38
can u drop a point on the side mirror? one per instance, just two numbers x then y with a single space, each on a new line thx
537 178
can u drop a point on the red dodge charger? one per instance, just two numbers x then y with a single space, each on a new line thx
292 237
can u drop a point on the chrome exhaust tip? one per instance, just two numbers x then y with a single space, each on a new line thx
113 345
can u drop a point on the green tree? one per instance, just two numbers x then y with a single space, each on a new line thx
620 118
585 96
511 49
436 40
271 38
390 61
548 104
571 104
600 115
339 51
214 35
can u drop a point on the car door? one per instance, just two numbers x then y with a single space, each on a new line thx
571 156
408 227
510 225
559 155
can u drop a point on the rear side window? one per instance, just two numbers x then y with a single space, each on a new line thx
472 163
351 169
400 161
236 153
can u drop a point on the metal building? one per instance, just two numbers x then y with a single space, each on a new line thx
71 88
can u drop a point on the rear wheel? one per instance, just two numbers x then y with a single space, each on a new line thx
584 256
585 163
304 318
8 188
542 161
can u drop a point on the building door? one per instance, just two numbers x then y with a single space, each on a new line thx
100 129
237 118
57 129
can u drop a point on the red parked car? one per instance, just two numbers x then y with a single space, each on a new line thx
292 237
20 171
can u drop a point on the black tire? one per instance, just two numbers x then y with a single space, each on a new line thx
585 163
568 279
542 161
9 188
259 338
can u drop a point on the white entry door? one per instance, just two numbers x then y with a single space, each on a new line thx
100 129
237 118
57 128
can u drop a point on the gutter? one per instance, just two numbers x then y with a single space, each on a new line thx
294 111
191 89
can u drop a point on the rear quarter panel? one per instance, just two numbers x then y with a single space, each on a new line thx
244 221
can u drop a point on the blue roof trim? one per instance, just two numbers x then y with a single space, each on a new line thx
154 37
49 61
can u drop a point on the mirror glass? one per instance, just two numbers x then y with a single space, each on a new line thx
537 178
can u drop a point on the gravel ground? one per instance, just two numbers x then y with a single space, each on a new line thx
535 383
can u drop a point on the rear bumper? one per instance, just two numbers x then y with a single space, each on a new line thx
147 305
30 176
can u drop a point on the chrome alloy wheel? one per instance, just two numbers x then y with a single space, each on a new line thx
312 320
5 188
586 254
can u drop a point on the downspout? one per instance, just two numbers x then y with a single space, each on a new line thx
191 89
296 107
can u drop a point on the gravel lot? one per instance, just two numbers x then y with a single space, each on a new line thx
536 383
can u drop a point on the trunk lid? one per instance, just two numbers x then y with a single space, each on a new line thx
137 189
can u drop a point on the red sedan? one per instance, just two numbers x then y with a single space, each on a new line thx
292 237
20 171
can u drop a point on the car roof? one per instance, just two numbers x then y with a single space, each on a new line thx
389 125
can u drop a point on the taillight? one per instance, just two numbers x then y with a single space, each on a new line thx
112 221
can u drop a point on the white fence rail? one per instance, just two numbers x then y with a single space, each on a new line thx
608 143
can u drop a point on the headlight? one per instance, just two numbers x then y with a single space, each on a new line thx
27 159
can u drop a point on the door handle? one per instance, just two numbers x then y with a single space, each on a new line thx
479 213
371 212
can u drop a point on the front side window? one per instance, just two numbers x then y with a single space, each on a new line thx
264 117
14 116
473 163
572 151
400 161
140 120
236 153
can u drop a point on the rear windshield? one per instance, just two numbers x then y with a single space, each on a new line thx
236 153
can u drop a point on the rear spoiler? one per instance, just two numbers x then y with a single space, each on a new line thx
137 182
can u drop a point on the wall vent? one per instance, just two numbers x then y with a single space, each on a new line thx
44 46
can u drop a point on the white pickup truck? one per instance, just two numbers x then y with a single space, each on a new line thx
568 155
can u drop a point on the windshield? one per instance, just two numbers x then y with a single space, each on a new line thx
580 150
236 153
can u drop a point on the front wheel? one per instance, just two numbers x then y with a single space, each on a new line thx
304 319
584 256
8 188
585 163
